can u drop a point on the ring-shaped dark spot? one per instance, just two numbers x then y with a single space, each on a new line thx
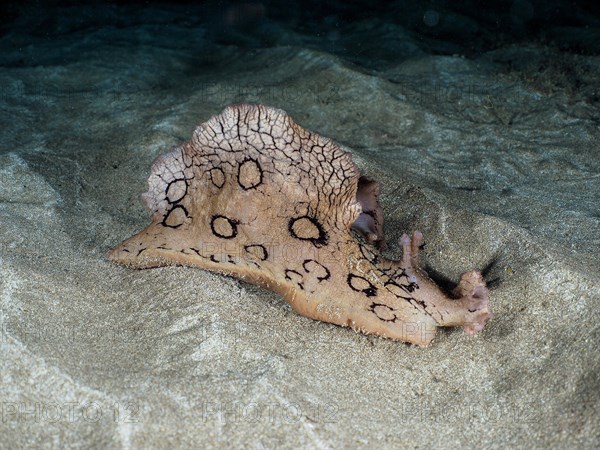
175 217
295 277
383 312
308 228
361 284
250 174
258 251
176 190
223 226
324 269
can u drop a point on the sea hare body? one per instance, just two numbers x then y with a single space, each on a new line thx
255 196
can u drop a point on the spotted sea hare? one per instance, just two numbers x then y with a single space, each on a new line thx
255 196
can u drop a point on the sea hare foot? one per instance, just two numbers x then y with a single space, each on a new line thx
255 196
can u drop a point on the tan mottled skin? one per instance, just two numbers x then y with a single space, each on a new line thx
255 196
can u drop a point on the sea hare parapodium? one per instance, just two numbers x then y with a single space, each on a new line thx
255 196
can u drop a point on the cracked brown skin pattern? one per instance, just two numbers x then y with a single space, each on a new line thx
255 196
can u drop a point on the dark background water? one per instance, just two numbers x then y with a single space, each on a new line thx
369 33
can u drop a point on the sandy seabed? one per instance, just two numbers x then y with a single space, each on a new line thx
494 161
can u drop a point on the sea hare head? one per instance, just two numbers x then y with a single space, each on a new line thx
256 196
